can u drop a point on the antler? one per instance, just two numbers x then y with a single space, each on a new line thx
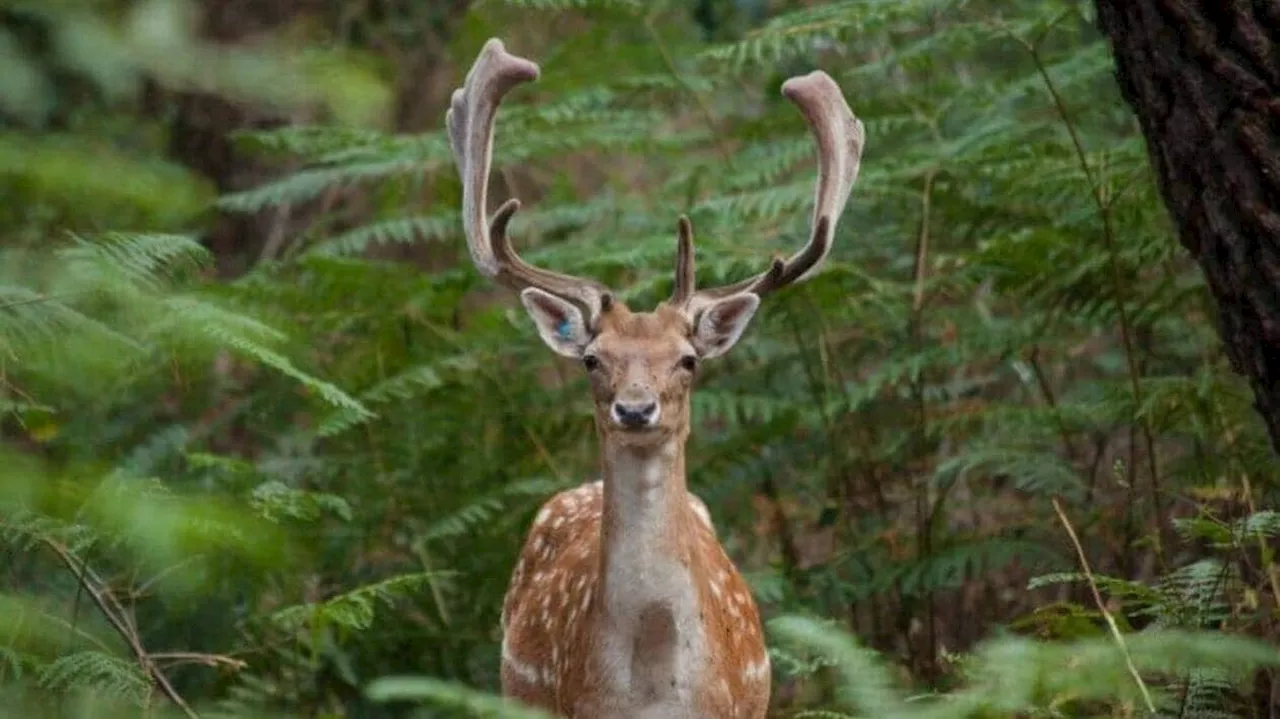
840 137
683 289
470 120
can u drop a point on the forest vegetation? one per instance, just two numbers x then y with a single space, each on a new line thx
271 444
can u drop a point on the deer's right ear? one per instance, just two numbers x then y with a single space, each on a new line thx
559 323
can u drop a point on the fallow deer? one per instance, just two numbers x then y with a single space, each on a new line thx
623 602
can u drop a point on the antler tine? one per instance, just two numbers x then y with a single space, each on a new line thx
683 288
840 138
470 119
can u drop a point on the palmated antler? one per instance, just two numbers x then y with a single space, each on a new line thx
470 120
839 137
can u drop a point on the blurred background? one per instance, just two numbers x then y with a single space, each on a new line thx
269 437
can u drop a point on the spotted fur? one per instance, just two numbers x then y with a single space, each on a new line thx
623 603
554 655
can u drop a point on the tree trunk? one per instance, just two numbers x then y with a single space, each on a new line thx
1203 77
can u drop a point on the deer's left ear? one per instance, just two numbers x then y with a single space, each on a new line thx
559 322
720 325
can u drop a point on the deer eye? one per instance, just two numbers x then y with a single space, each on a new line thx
591 362
688 363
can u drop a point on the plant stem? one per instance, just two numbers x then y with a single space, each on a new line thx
1102 607
114 615
1126 323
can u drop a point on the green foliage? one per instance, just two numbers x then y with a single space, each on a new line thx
456 697
101 673
351 611
317 474
47 175
1011 676
115 46
1006 676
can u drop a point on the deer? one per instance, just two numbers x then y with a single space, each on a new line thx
623 602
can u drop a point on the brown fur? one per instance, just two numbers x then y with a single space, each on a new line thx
555 628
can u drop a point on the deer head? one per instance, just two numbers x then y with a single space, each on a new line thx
641 364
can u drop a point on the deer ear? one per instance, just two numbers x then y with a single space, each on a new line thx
559 323
721 324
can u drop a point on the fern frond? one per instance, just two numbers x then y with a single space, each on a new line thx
400 231
864 681
481 510
227 335
97 672
353 610
1030 470
130 261
310 184
804 31
454 696
275 500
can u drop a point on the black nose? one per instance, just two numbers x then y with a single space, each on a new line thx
634 415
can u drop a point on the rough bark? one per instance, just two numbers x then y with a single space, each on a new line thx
1203 77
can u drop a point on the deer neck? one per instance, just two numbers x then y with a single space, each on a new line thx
649 636
646 508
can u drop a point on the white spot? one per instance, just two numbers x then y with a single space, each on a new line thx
700 509
543 514
757 670
525 671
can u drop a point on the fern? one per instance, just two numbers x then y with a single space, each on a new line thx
274 500
484 510
353 610
1014 675
455 697
98 672
11 664
129 262
404 231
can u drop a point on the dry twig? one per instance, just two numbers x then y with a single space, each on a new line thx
1102 607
